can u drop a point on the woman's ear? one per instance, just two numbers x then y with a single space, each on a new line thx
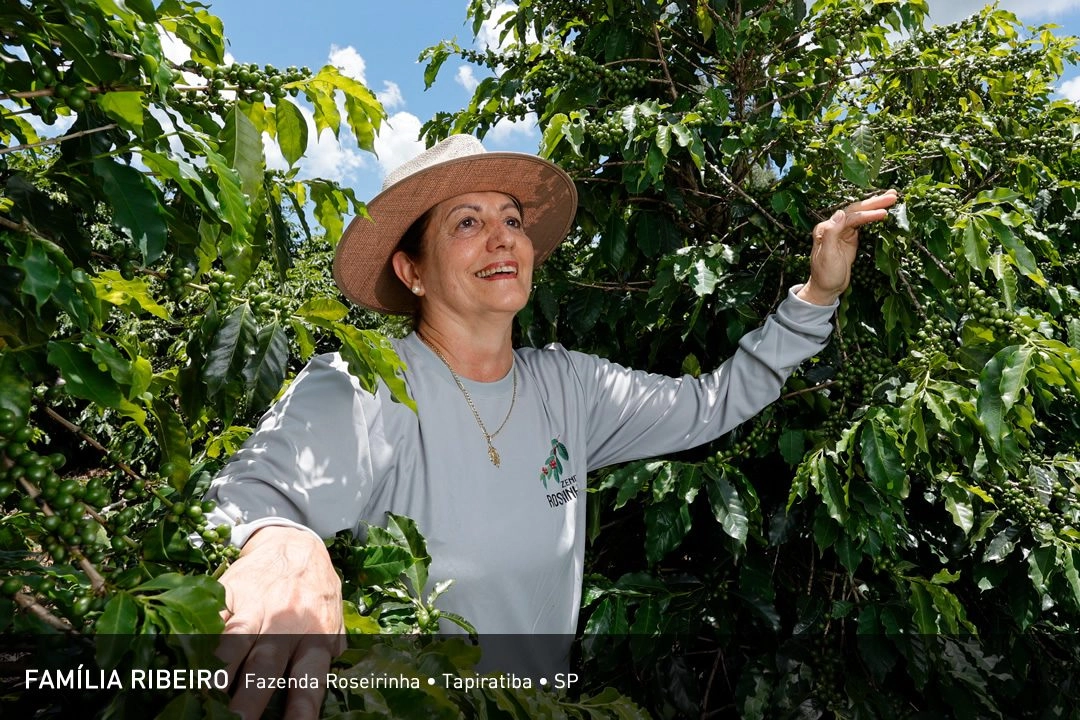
405 269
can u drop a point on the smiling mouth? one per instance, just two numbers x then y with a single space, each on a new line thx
497 270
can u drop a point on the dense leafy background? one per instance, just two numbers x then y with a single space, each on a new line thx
897 536
158 285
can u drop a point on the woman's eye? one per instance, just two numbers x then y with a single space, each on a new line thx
513 222
466 223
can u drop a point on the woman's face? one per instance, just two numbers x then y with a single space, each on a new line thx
476 258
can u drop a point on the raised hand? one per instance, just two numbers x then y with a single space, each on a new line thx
836 241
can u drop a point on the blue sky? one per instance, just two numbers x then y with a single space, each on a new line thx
379 43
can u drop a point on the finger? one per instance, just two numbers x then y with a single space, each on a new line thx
227 612
862 217
312 660
240 634
833 226
267 659
342 640
874 202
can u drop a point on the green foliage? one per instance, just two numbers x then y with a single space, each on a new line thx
899 533
158 287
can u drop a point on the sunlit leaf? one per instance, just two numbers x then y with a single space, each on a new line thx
629 480
1017 362
331 205
322 309
991 408
126 107
370 358
958 503
1002 545
327 116
131 294
854 167
975 245
83 376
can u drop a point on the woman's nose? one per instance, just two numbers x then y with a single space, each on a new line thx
501 236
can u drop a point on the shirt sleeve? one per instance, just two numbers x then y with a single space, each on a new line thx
634 414
308 463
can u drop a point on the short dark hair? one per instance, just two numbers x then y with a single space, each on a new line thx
412 242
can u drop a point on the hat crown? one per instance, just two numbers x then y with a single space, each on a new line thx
452 148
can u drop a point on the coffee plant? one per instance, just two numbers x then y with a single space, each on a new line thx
897 536
159 284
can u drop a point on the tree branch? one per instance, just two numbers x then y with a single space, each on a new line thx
941 266
62 138
12 225
663 62
97 582
72 427
911 293
822 386
28 603
757 206
50 91
832 81
616 287
712 676
20 111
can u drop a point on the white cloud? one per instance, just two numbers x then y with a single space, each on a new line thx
466 78
328 158
398 140
349 62
506 130
391 96
1071 89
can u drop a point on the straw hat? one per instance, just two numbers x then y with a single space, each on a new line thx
453 167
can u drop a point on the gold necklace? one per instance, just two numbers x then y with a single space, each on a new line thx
493 454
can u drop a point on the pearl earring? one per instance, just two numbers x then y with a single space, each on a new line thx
416 289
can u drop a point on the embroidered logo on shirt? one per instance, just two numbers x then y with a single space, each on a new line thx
553 467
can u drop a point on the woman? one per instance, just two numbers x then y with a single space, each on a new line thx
454 237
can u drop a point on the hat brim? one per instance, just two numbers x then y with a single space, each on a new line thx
362 260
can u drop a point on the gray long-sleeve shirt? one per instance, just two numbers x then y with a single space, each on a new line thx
331 456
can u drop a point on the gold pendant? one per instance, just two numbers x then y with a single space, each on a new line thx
493 455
